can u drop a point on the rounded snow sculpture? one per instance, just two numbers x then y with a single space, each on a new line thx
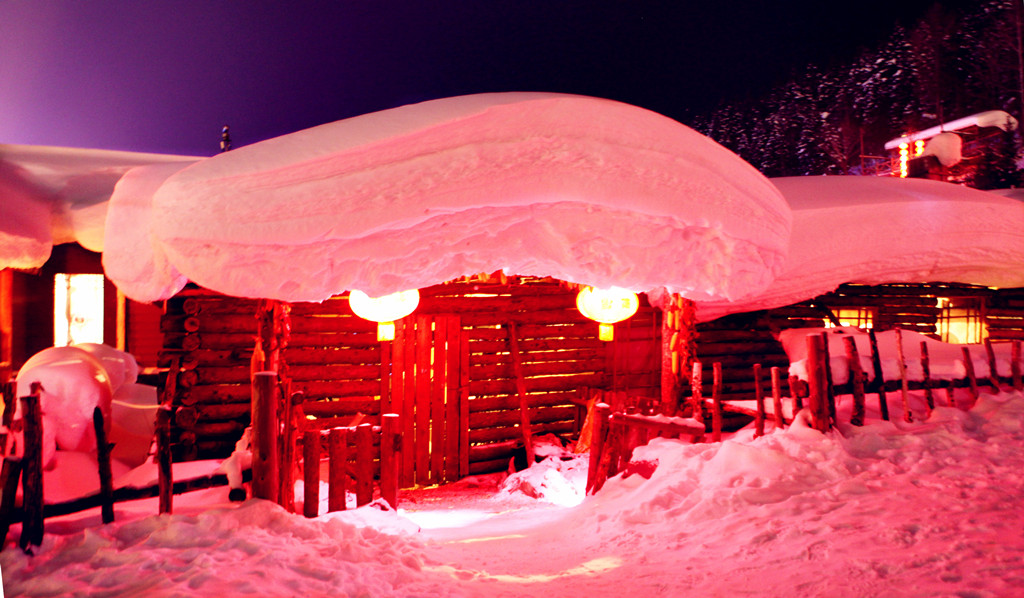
74 384
582 189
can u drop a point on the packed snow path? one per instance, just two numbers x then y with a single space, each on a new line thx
929 509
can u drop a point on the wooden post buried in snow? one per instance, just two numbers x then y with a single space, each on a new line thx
901 363
817 394
856 380
265 480
971 378
32 471
311 473
601 413
1015 366
759 400
390 448
10 475
716 402
524 401
926 372
364 464
777 397
103 464
876 365
993 371
337 474
165 483
696 400
830 395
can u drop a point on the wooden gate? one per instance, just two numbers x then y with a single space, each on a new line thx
428 386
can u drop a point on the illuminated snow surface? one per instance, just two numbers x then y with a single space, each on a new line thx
890 509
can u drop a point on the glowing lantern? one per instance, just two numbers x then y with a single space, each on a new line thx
384 310
918 147
904 158
606 307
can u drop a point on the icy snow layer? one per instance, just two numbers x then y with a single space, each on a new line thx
53 195
877 230
578 188
930 509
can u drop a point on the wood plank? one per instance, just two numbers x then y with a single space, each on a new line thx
464 441
422 399
404 388
525 415
451 389
439 384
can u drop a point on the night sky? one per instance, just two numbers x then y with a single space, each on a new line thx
165 76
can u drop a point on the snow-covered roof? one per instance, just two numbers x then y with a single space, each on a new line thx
877 230
990 118
582 189
53 195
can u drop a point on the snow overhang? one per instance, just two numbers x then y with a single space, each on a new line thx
582 189
879 230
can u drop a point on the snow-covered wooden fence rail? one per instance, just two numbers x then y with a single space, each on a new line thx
616 434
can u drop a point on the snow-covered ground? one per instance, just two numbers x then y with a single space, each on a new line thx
890 509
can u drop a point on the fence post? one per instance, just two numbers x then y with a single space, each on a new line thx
32 472
780 421
601 412
337 474
759 400
716 402
311 473
103 463
390 447
9 478
265 478
364 464
817 394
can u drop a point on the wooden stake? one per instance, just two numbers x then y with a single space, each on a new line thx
524 401
601 413
759 399
949 396
337 472
780 420
971 378
103 464
795 386
879 382
165 479
1015 366
901 363
390 447
364 464
829 386
926 370
10 475
265 462
32 473
696 400
856 380
993 371
311 473
716 401
816 383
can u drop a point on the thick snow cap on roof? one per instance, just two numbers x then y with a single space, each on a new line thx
877 230
990 118
53 195
581 189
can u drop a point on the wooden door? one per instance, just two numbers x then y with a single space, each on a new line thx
428 387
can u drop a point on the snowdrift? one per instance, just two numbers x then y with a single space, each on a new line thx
874 230
582 189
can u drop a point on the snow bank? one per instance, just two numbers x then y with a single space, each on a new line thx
54 195
578 188
877 230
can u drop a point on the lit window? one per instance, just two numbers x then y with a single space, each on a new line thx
859 317
960 320
77 309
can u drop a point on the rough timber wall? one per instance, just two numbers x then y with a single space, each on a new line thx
334 360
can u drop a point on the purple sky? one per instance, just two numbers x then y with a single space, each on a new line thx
165 76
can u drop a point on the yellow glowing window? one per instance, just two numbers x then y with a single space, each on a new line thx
860 317
77 309
960 321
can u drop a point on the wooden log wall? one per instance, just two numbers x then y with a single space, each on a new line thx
1004 315
334 360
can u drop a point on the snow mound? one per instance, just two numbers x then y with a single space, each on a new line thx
876 230
946 147
582 189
